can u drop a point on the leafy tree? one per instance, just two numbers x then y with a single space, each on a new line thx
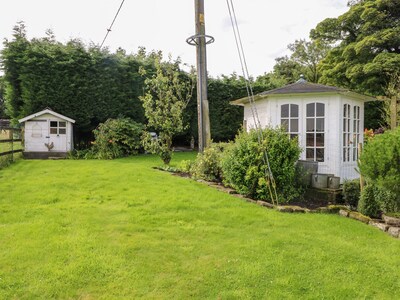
167 95
303 60
366 42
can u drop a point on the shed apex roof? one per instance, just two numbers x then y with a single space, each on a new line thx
46 111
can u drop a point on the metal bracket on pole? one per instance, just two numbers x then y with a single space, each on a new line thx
193 40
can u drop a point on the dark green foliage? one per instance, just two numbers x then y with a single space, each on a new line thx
2 102
80 82
387 200
366 52
351 192
117 138
207 165
380 161
244 169
368 205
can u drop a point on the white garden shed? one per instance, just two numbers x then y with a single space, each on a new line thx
328 121
47 133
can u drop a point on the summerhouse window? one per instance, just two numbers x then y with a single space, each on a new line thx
347 139
315 132
356 131
58 127
290 119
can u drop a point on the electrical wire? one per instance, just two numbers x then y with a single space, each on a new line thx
112 23
239 46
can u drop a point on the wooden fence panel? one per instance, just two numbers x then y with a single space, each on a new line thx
10 142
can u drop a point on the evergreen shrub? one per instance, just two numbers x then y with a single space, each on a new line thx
244 168
351 192
117 138
207 165
380 165
368 205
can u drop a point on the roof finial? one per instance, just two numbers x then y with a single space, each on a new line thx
302 79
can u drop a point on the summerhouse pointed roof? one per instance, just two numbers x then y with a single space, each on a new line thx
302 86
46 111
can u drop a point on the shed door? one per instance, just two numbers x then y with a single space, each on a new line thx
35 135
58 135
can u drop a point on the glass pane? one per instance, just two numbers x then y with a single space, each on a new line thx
319 139
310 139
358 112
53 130
344 125
310 125
53 123
348 125
320 154
355 112
354 154
62 124
344 154
320 109
344 139
358 126
285 111
61 131
309 153
320 124
345 110
354 126
293 136
294 110
348 154
311 110
294 125
285 124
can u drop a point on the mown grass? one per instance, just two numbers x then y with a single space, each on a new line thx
120 229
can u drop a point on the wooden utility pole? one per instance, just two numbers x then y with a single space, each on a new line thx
200 40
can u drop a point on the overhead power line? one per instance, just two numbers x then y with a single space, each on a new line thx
242 57
112 23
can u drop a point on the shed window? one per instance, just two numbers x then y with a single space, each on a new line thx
290 119
356 131
347 140
58 127
315 132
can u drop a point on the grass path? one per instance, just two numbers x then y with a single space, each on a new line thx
120 229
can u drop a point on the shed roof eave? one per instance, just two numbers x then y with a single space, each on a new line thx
46 111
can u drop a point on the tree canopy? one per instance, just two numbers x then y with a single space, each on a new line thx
366 46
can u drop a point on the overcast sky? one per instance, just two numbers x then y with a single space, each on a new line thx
266 26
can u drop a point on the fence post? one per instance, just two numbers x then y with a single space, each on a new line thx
393 113
11 137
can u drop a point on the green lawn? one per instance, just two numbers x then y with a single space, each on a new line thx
120 229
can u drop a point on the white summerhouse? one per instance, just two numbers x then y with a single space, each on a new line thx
328 122
47 133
